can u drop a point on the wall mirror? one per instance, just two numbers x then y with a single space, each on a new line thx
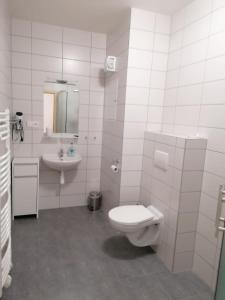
61 109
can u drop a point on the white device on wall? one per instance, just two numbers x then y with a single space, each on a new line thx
110 64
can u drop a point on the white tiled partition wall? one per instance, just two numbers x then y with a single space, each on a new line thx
175 192
113 125
194 104
44 52
147 63
5 56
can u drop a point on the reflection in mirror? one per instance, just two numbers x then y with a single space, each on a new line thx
61 108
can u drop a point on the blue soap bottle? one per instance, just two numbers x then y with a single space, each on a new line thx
71 150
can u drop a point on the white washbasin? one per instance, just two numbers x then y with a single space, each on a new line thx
61 164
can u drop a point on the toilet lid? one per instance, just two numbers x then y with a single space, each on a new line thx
130 214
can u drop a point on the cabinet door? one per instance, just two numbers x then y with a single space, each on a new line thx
25 196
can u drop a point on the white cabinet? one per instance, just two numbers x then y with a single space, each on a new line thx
25 186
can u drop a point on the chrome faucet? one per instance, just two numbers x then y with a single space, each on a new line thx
61 153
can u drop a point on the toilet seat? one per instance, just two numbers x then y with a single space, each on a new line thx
131 215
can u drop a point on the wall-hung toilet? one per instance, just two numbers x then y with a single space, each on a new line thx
141 225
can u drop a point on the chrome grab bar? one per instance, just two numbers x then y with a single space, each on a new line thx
219 218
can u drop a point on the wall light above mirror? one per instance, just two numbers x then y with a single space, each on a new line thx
61 109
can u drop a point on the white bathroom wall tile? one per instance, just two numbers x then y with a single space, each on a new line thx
21 60
156 97
194 53
49 64
158 80
206 228
21 105
194 160
96 98
215 162
191 181
94 150
99 40
84 81
71 51
22 92
187 222
202 269
71 189
98 55
197 9
21 76
161 43
132 147
134 130
129 195
97 84
208 206
47 48
73 200
197 31
162 23
218 4
21 27
212 116
189 202
95 124
138 96
178 20
192 74
143 40
216 45
185 242
76 67
140 59
143 19
174 60
48 202
154 114
130 178
77 37
97 70
38 77
188 115
172 79
132 163
159 61
21 44
135 113
218 23
189 95
96 111
46 32
214 92
49 190
37 93
176 40
138 77
196 143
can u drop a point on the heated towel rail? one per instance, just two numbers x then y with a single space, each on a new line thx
5 201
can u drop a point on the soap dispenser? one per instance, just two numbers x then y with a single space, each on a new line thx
71 150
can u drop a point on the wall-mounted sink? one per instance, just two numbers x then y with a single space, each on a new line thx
61 164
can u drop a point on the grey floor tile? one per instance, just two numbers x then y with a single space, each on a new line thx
73 254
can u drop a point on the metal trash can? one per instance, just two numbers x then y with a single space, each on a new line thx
94 201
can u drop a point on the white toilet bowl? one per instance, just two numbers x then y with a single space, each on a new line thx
140 224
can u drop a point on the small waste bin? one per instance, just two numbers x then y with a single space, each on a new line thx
94 201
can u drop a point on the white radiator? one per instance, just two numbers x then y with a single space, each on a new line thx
5 201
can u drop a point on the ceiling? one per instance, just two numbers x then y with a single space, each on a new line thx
91 15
